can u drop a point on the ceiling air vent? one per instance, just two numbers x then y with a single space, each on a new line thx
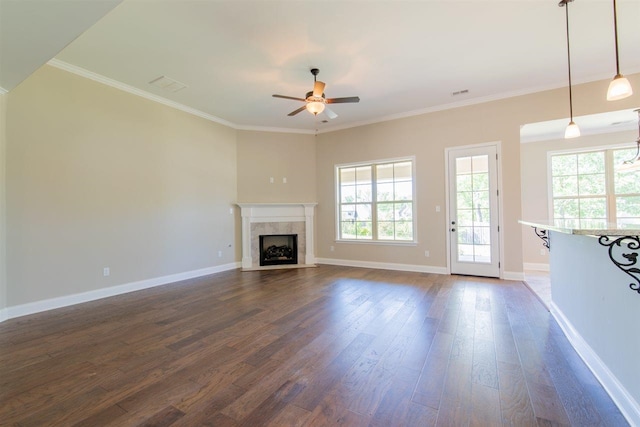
167 84
460 92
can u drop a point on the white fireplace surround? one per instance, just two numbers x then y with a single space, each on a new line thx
284 215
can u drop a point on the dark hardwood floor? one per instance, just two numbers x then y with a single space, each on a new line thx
309 347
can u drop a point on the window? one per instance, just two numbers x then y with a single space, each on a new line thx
591 189
376 201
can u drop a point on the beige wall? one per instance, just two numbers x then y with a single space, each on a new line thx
265 155
535 176
98 178
426 136
3 211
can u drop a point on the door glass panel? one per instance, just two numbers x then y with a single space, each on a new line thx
472 195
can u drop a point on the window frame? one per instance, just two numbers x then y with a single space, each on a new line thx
374 221
609 176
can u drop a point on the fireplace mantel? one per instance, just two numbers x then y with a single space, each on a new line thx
277 213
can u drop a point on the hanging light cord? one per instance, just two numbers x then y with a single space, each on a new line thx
615 32
566 5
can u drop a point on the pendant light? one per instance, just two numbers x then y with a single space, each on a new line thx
572 130
619 87
633 164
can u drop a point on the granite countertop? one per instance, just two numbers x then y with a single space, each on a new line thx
596 230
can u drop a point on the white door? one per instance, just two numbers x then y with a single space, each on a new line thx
473 211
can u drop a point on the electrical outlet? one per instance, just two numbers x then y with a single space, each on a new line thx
437 208
332 248
284 180
106 271
219 254
230 211
542 252
271 180
426 253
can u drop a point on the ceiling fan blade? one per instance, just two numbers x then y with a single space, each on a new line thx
318 89
289 97
293 113
343 100
329 112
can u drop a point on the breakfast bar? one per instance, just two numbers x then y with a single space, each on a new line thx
595 293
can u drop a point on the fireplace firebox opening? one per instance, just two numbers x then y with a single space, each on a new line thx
278 249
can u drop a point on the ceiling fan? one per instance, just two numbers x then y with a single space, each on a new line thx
315 102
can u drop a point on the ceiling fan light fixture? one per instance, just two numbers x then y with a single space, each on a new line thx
619 88
315 107
572 130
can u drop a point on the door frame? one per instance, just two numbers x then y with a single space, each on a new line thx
498 147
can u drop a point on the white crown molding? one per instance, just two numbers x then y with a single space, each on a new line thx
67 300
132 90
3 91
465 103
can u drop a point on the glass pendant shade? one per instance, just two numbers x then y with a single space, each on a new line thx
619 88
315 107
572 130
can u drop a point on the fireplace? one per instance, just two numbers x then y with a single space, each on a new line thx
278 249
270 219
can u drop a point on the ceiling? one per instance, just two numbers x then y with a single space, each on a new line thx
400 57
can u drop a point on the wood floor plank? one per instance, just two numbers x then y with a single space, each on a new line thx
324 346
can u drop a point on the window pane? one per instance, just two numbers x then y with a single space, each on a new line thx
385 230
564 165
593 208
591 185
384 173
591 162
363 230
481 236
465 217
481 216
565 186
566 208
404 190
628 207
385 192
363 175
463 165
347 176
363 212
480 181
481 199
385 212
363 193
480 163
403 211
348 212
464 182
402 171
348 230
348 193
465 200
404 230
465 235
627 182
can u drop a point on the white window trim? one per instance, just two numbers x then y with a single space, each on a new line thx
336 183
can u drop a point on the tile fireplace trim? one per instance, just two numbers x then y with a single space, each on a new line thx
277 212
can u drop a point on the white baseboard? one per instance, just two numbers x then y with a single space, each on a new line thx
618 393
67 300
513 275
384 265
535 266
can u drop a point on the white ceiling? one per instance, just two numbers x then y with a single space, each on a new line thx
399 57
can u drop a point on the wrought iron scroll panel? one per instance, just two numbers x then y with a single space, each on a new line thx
544 235
625 261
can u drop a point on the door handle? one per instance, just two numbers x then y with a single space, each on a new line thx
453 229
